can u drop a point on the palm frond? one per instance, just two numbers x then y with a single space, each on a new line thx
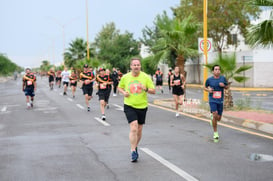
261 34
261 2
240 79
243 68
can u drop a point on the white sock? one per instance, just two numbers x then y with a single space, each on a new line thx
28 104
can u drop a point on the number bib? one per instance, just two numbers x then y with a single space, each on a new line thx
87 82
217 94
102 86
176 82
29 82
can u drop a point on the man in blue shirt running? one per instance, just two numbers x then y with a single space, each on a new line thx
215 85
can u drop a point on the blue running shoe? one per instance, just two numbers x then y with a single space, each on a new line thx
134 156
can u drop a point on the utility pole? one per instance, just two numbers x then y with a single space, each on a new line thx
205 34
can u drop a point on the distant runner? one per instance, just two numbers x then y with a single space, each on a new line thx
159 80
87 78
51 76
73 83
29 87
65 79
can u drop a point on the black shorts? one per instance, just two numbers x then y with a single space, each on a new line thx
177 90
103 95
51 79
58 79
159 83
29 91
73 84
87 90
65 83
133 114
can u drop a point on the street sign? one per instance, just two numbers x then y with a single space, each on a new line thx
201 45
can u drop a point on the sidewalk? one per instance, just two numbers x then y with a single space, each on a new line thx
258 120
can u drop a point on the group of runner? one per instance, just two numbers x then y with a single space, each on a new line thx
135 86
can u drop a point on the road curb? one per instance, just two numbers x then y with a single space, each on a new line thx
202 113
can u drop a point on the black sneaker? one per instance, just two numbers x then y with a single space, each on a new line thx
31 104
88 109
134 156
65 93
73 97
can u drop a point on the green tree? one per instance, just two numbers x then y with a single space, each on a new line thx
223 16
77 51
176 37
45 66
230 70
7 66
261 34
115 48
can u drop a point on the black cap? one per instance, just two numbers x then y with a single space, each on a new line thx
85 66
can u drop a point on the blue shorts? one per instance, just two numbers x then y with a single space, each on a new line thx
29 92
216 107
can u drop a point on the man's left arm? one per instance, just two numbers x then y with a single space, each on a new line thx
150 87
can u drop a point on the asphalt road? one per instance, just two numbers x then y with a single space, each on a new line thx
59 140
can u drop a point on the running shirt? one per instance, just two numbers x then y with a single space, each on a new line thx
137 97
51 75
28 80
101 80
73 79
86 77
65 76
217 95
159 76
177 81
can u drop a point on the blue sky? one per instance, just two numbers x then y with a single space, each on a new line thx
31 29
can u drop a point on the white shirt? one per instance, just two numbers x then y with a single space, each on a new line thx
65 76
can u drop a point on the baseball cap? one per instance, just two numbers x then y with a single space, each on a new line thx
85 66
101 69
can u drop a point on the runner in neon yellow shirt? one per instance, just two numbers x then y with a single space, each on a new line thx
134 86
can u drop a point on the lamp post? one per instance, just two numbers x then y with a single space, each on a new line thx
63 30
205 34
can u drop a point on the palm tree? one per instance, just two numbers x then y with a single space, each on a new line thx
176 37
261 34
76 51
230 70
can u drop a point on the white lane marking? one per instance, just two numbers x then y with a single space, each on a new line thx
119 108
45 109
79 106
61 94
4 109
102 122
168 164
71 100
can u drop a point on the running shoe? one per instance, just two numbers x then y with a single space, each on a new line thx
134 156
114 95
31 105
73 97
215 135
107 106
88 109
65 93
161 91
176 114
103 117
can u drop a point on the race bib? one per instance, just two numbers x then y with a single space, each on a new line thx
102 86
87 82
176 82
29 82
217 94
